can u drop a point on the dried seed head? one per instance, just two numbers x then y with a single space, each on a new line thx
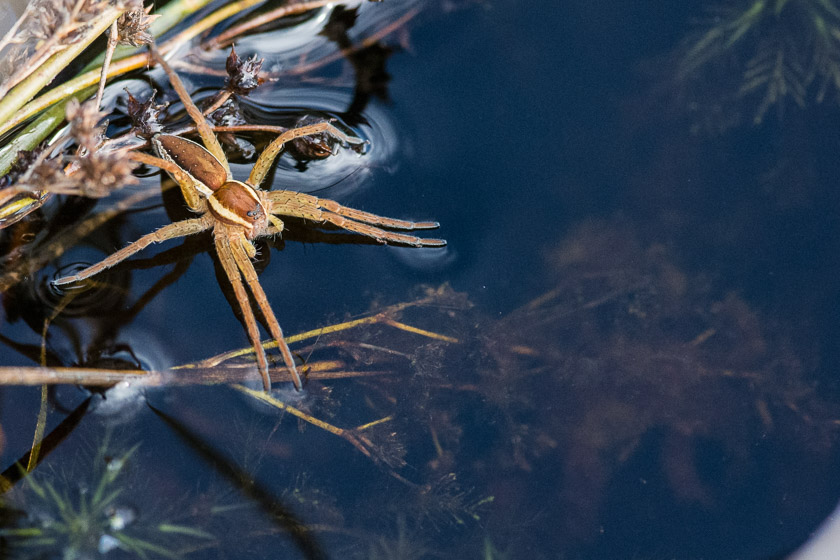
145 115
47 174
50 19
95 171
32 172
243 75
45 27
95 175
229 114
59 18
100 174
84 121
314 146
133 25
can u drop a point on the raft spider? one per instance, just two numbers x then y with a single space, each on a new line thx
240 212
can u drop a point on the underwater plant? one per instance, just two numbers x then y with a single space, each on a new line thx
764 54
84 518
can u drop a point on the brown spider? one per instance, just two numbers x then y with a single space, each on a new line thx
239 212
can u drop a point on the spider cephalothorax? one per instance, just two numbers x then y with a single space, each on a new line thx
239 212
238 204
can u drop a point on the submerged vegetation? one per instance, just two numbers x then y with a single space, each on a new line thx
87 515
763 54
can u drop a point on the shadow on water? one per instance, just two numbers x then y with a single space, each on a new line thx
626 350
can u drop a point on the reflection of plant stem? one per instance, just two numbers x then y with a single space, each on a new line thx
12 475
40 428
225 38
366 43
41 425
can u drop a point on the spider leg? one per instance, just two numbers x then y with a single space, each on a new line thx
204 129
276 225
266 159
381 235
191 195
300 205
171 231
303 202
240 247
227 259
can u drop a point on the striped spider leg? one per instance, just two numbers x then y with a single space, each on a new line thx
239 212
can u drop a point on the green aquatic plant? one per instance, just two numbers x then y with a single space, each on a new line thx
80 519
493 553
769 52
405 545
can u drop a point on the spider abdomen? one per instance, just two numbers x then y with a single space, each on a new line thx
193 158
237 203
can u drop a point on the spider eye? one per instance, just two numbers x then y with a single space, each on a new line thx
252 214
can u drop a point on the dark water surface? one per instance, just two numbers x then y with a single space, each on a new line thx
642 282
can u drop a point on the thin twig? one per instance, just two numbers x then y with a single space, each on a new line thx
109 52
92 377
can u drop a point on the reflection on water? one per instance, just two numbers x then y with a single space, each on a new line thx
587 371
